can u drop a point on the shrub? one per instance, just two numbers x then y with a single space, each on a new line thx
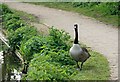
56 41
41 68
9 16
32 46
13 24
59 39
109 8
5 9
21 35
62 57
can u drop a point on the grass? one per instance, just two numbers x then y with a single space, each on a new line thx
91 12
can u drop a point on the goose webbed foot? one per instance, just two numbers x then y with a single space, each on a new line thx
78 67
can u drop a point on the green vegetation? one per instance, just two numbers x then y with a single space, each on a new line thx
5 9
9 22
20 36
106 12
42 69
48 56
0 25
0 9
0 45
32 46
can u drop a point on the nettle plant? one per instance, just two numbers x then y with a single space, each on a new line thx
9 16
21 35
32 46
59 39
41 68
12 21
43 56
5 9
13 24
62 57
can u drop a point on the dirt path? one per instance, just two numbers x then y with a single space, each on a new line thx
103 38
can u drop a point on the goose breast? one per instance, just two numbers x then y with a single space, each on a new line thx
76 51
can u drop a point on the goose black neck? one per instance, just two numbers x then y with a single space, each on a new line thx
76 34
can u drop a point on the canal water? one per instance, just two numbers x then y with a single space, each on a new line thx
9 63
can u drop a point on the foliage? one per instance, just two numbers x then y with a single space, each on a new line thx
21 35
32 46
56 40
42 63
59 38
42 69
84 4
107 8
5 9
14 24
62 57
9 16
12 21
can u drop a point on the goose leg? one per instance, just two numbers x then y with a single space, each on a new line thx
77 65
81 65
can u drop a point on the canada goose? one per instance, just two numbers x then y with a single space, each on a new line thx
77 53
25 67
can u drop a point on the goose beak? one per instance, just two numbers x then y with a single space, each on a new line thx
75 26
